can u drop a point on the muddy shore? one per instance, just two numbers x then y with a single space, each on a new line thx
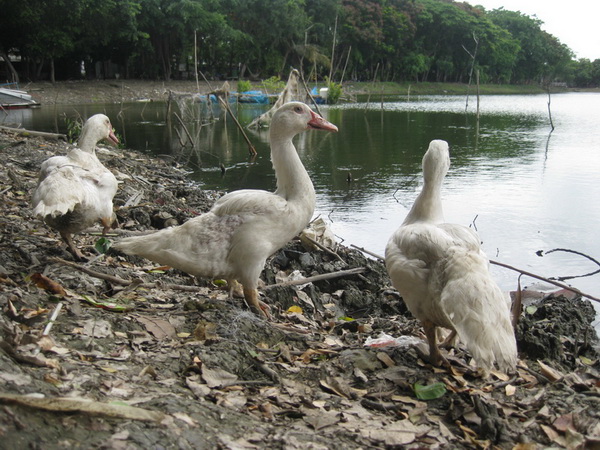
141 356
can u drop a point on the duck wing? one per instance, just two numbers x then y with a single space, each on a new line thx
66 187
250 202
476 306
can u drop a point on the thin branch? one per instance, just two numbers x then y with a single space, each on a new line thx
321 277
362 249
576 253
322 247
556 283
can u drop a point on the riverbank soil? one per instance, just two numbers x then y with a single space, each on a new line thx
119 353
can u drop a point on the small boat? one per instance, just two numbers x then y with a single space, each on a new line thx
14 98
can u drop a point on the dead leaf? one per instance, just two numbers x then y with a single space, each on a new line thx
337 386
402 432
510 390
385 358
159 328
564 423
553 435
216 378
550 373
97 328
206 331
63 404
45 283
322 419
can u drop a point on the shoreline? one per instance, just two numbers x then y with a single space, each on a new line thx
115 91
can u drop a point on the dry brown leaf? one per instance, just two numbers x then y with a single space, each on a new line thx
322 419
510 390
401 432
84 406
564 423
550 373
337 386
206 331
385 358
159 328
553 435
216 378
43 282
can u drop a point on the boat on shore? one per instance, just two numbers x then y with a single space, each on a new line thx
15 98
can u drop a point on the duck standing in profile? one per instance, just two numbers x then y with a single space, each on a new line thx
75 191
234 239
443 275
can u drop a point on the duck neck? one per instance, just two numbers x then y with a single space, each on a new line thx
87 142
293 182
428 205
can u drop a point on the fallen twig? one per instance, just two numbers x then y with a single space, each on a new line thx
322 247
324 276
556 283
53 317
122 282
364 250
24 132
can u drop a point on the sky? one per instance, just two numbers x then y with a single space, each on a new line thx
573 22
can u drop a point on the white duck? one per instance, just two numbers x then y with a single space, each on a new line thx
243 228
442 274
76 190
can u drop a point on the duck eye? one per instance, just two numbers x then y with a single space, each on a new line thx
298 109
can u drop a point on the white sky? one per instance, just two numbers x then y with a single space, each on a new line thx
573 22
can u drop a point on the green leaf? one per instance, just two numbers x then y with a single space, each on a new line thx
430 392
102 245
531 309
346 319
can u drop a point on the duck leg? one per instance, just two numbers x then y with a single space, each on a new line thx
68 238
435 356
450 340
106 224
260 308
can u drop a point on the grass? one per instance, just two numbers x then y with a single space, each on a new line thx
390 88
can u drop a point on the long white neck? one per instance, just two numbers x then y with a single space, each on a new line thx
428 205
293 182
87 141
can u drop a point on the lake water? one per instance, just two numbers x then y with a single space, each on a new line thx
524 189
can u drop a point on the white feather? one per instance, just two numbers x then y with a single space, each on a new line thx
443 275
243 228
76 190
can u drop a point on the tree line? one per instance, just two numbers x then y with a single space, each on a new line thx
386 40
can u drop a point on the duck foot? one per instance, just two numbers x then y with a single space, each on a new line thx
259 307
68 238
434 357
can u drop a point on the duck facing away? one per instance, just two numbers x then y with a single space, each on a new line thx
443 275
234 239
76 190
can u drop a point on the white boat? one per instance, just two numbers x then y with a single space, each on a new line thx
14 98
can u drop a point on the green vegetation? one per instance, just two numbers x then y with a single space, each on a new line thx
383 40
274 85
244 85
334 91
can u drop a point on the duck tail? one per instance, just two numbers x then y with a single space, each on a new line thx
479 310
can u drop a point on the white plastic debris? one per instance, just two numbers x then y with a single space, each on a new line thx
385 340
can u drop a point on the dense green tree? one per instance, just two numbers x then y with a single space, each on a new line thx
422 40
541 56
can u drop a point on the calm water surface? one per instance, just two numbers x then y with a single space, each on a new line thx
523 188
